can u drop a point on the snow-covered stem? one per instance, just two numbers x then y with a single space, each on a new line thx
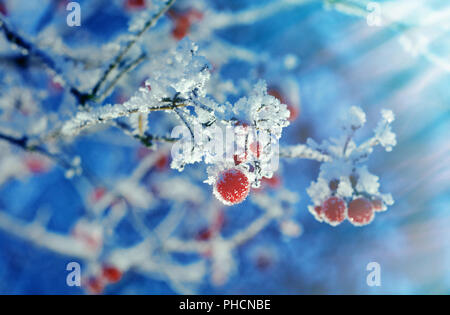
302 151
126 69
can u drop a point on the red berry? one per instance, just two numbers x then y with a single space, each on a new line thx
276 93
98 194
317 212
182 26
195 15
232 187
256 148
293 112
183 21
273 182
3 9
378 205
95 285
360 211
135 4
238 159
35 165
204 234
111 273
162 163
334 210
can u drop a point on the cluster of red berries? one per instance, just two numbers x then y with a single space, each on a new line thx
108 275
360 211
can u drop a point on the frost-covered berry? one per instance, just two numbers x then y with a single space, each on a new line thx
111 273
360 211
333 210
232 186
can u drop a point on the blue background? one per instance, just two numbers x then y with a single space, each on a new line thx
343 62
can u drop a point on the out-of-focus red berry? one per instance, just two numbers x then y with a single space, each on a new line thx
162 163
3 9
360 211
273 182
95 285
256 148
204 234
98 194
134 4
293 112
334 210
111 274
183 21
276 93
36 165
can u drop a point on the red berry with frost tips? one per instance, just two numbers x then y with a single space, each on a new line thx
111 274
232 186
333 210
360 211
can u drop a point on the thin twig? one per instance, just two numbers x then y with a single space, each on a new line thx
124 71
129 45
13 37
